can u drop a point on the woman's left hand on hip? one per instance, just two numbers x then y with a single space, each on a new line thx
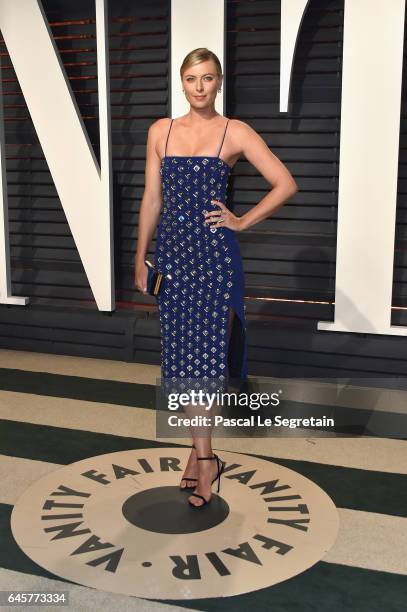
222 217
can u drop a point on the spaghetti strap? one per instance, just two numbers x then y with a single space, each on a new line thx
224 134
166 142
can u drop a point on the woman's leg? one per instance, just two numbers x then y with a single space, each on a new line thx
190 470
206 470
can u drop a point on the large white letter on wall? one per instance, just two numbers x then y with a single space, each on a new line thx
195 23
368 166
85 190
368 163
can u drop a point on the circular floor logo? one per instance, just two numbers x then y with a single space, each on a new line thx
119 523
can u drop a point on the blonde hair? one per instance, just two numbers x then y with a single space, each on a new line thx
201 54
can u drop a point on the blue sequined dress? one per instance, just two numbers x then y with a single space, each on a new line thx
207 279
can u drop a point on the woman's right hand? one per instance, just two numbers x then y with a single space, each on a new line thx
140 277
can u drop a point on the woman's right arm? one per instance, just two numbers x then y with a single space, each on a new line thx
150 206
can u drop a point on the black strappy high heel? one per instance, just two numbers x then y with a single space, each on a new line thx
188 478
221 467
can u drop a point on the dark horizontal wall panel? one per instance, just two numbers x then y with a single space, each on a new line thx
51 330
307 140
292 253
399 297
61 316
278 349
289 259
40 237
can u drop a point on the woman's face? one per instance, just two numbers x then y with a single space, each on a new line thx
201 83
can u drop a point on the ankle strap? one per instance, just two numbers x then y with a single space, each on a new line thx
199 458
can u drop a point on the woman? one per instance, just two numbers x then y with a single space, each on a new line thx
203 332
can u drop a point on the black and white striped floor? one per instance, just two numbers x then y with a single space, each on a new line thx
57 410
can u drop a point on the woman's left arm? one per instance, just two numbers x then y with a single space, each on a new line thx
256 151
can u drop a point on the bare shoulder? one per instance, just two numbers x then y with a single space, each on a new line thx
156 134
241 131
240 128
158 126
240 134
